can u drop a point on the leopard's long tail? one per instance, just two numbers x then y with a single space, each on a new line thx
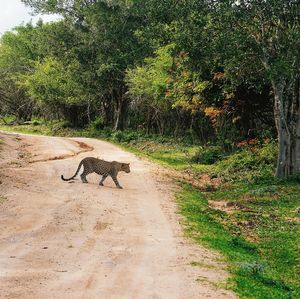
79 166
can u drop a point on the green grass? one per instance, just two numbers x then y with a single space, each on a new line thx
259 238
26 129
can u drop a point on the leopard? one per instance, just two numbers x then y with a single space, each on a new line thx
101 167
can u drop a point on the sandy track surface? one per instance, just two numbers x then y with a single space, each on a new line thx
74 240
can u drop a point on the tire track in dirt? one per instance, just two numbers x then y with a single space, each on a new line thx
84 148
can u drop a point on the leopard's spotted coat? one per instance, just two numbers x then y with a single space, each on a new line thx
101 167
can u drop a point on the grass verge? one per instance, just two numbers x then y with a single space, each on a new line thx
259 237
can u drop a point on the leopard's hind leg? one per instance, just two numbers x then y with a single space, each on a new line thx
83 175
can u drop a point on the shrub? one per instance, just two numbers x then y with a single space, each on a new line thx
35 122
267 153
252 165
129 136
244 160
117 136
106 132
295 177
208 155
97 124
62 129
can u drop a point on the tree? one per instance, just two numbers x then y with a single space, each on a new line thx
269 32
54 84
148 85
17 51
107 47
254 44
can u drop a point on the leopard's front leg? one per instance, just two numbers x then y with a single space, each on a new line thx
114 177
103 179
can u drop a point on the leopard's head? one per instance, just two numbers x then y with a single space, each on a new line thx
125 167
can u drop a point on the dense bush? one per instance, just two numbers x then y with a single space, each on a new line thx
208 155
97 124
249 164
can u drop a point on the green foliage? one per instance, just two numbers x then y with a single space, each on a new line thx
165 78
207 68
35 122
53 83
8 120
295 177
150 80
208 155
244 164
249 164
97 124
17 52
184 86
131 137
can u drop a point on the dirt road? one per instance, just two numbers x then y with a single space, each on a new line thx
74 240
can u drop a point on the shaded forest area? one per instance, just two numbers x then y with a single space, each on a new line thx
218 72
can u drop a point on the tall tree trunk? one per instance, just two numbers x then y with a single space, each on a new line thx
284 142
148 120
117 119
287 119
295 150
88 111
120 110
107 112
72 114
295 123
